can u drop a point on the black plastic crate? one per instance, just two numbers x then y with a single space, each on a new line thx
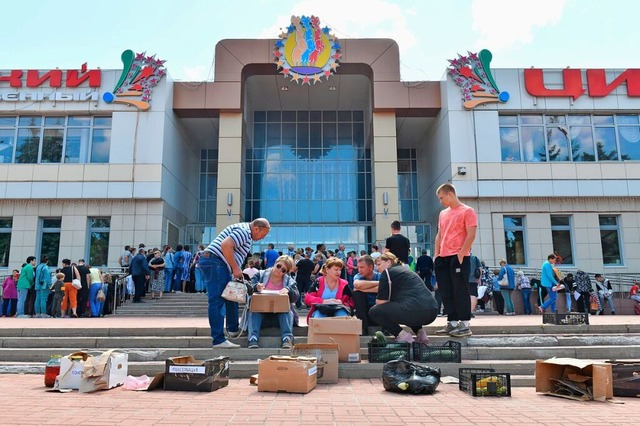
484 382
383 352
571 318
449 352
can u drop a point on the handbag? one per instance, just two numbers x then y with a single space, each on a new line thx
328 309
100 297
76 284
235 291
504 282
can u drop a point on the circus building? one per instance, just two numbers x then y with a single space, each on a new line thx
321 136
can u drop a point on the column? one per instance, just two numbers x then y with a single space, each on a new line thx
385 173
230 202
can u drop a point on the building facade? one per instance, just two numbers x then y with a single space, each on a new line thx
329 160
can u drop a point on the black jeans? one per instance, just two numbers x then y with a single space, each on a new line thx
391 314
360 299
453 283
498 302
138 282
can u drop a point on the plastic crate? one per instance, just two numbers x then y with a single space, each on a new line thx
471 381
383 352
571 318
449 352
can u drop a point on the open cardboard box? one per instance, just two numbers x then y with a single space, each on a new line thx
287 374
327 356
185 373
594 374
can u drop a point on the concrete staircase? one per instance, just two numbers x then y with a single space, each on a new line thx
506 348
171 305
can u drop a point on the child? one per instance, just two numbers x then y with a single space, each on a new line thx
10 295
58 295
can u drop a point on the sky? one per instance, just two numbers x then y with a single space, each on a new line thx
45 34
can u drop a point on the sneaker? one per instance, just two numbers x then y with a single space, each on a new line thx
421 337
460 331
287 343
253 344
226 345
446 330
233 334
613 312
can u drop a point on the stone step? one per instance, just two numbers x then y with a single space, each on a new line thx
162 353
245 369
271 338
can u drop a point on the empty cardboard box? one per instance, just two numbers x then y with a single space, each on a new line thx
570 378
184 373
270 303
345 331
327 358
287 374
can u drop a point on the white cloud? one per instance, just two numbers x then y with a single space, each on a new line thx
505 23
353 19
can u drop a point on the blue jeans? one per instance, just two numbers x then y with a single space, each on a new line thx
508 303
22 299
568 296
96 306
255 323
216 275
199 283
168 279
526 300
41 301
551 301
600 297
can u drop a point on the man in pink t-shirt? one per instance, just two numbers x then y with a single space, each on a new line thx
457 226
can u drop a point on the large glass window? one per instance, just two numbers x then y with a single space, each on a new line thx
514 239
50 239
408 185
572 137
55 139
561 237
99 229
610 237
5 241
208 186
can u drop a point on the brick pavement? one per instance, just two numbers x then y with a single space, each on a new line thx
350 402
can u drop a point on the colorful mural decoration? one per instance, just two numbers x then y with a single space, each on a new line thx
307 52
140 74
473 75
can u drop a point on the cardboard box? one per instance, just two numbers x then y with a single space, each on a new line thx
104 371
184 373
345 331
270 303
327 358
71 371
287 374
594 374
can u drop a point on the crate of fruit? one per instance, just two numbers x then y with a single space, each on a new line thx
380 350
570 318
449 352
484 382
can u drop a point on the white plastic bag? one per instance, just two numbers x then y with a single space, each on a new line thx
136 383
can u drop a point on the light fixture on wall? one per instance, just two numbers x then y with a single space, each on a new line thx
462 171
229 199
284 88
385 198
332 88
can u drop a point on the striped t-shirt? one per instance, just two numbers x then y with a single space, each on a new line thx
240 233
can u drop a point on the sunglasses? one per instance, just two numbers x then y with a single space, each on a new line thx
282 268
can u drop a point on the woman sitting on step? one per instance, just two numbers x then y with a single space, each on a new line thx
274 279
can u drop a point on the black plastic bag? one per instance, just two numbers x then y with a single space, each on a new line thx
407 377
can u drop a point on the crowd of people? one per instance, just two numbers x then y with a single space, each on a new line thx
72 291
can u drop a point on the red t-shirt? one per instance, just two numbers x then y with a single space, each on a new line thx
452 226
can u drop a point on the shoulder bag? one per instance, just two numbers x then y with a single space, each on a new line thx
235 291
75 283
504 282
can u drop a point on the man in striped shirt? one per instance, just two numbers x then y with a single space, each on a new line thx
219 263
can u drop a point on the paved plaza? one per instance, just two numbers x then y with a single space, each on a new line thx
350 402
